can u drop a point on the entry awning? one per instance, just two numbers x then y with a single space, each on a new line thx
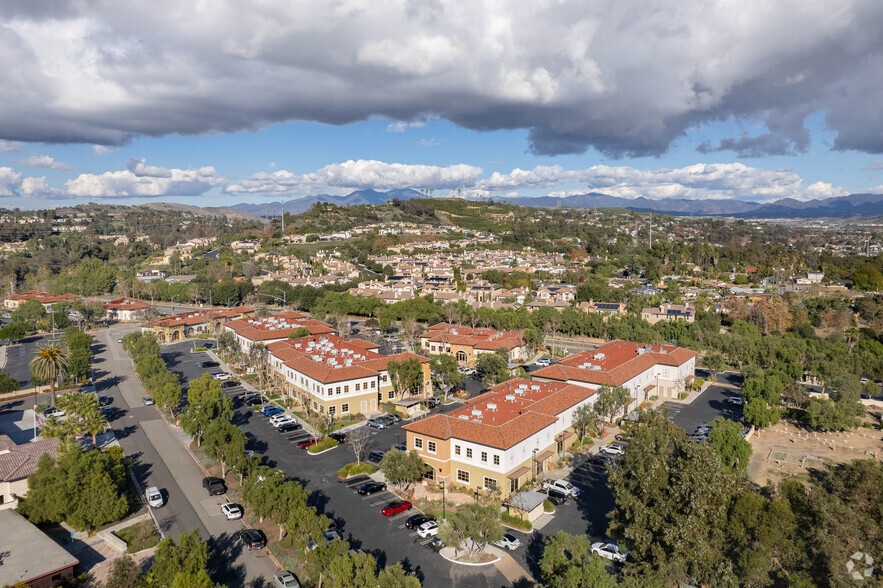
543 456
688 379
649 388
518 473
563 435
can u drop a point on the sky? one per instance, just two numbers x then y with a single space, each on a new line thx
215 103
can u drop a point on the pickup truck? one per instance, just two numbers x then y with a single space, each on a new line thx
562 486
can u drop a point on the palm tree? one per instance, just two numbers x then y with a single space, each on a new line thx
852 337
49 361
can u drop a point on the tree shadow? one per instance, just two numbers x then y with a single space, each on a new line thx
223 550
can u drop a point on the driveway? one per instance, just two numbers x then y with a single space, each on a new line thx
710 404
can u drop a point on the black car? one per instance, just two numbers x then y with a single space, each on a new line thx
214 486
103 400
252 538
556 497
339 437
209 364
432 402
229 384
375 456
371 488
252 401
417 520
108 411
603 460
286 427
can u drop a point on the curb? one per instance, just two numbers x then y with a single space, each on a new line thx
323 451
474 565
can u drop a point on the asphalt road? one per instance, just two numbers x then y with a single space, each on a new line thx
358 518
160 459
709 405
20 354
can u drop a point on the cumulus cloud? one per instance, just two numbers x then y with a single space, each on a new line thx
627 77
701 180
431 142
141 180
13 184
42 162
10 146
358 174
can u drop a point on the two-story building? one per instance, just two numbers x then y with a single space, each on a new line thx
604 308
273 328
47 300
669 312
503 438
336 376
466 343
644 370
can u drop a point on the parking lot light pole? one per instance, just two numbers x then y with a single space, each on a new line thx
444 502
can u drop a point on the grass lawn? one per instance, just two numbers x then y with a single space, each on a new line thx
139 536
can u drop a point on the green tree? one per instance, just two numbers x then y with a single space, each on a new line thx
182 565
395 576
714 361
7 383
14 331
445 373
299 332
226 341
84 416
225 442
28 313
671 499
405 376
48 363
726 439
473 526
585 420
207 403
124 573
759 414
568 562
612 401
402 469
167 395
493 367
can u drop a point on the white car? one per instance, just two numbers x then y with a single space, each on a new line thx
154 497
561 486
222 376
510 542
285 579
609 551
735 400
279 419
231 511
544 362
613 450
428 529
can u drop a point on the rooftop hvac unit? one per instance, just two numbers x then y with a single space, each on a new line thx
522 386
476 412
349 362
596 368
599 356
298 345
464 417
510 397
491 406
641 350
317 358
535 387
520 391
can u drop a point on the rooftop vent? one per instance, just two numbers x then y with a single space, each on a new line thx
596 368
510 397
464 417
535 387
476 412
491 406
600 356
520 391
641 350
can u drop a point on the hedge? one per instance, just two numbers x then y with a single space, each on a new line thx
514 521
353 469
326 443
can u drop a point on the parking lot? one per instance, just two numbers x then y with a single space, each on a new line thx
709 405
19 355
358 518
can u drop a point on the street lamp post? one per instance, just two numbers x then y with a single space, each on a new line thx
283 298
444 502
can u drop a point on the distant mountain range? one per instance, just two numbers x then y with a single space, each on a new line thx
854 205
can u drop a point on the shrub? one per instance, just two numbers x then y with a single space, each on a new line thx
7 383
197 349
353 469
326 443
548 506
515 521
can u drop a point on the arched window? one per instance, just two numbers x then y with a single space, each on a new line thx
461 356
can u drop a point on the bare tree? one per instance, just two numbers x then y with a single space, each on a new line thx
358 441
341 323
452 313
551 329
411 330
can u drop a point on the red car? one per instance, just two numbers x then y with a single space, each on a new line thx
394 508
308 442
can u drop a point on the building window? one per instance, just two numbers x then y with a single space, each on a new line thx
513 485
373 384
496 460
461 356
357 387
430 446
346 389
332 410
456 450
383 378
338 390
463 476
344 408
469 453
418 443
392 394
484 456
490 483
315 405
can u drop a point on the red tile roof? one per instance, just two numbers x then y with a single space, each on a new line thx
278 326
488 339
198 317
506 415
324 357
43 297
619 362
21 460
126 303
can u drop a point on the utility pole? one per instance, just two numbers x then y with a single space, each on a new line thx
283 218
651 230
